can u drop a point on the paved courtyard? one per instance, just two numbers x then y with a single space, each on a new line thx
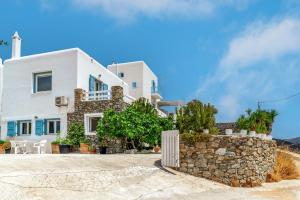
117 177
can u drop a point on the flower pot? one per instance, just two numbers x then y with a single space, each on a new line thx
156 149
228 131
55 148
64 148
92 151
252 133
84 148
102 150
7 151
2 149
244 133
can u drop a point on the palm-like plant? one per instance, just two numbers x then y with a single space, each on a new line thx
260 120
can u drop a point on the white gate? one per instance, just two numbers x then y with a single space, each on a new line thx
170 148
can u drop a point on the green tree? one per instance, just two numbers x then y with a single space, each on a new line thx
260 120
139 123
76 133
196 117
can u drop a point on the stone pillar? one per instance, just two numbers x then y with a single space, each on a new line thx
79 96
117 97
117 93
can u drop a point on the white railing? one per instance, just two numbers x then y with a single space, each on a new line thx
98 95
128 99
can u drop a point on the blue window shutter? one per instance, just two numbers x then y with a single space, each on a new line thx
104 87
91 83
45 126
11 128
18 128
39 127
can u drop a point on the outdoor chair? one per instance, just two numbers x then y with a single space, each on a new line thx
15 146
40 146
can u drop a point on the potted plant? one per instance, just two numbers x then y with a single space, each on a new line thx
2 149
92 149
55 146
65 146
84 146
7 147
102 145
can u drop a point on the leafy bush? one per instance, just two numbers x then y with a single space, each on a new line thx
139 123
2 141
75 133
193 138
260 121
196 117
284 169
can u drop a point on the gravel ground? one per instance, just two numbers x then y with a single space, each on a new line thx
117 177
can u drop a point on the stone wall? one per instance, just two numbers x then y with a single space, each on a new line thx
82 107
232 160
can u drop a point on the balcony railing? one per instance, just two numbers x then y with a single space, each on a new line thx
154 90
98 95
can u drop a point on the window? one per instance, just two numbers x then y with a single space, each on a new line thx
93 122
53 127
42 82
121 74
90 122
25 128
134 85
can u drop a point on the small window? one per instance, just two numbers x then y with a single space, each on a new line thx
53 127
121 74
134 85
42 82
93 122
25 128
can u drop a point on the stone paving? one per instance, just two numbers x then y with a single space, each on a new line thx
85 177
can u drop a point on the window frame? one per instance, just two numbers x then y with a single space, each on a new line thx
87 118
121 74
28 128
35 81
55 126
134 84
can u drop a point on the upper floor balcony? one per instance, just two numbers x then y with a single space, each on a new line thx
155 94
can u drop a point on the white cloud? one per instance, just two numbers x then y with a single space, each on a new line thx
262 62
125 10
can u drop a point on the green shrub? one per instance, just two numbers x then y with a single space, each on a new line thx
196 117
260 121
2 141
75 133
193 137
139 123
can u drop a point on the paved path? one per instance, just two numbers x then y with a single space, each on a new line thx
84 177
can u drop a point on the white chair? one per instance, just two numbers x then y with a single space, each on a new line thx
15 146
40 146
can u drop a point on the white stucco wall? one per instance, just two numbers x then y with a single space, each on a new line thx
88 66
148 76
20 103
133 72
136 72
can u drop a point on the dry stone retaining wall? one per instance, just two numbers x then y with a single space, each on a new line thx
232 160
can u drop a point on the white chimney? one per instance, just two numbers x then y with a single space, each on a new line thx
16 46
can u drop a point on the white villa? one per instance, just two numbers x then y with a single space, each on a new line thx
37 91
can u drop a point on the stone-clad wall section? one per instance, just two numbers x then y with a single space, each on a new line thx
82 107
232 160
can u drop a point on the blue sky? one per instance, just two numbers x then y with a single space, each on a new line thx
231 53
